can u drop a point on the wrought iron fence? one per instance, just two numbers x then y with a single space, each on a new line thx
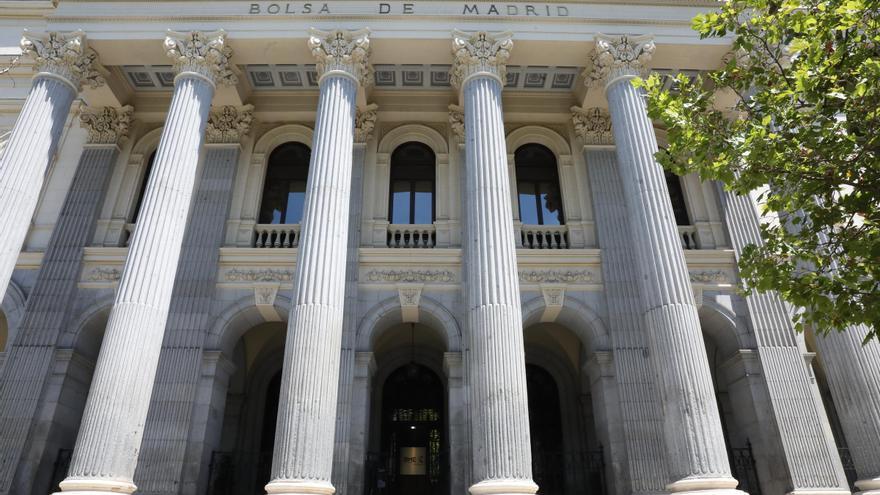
742 465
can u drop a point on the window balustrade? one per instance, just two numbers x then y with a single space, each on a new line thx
544 236
276 235
688 236
411 236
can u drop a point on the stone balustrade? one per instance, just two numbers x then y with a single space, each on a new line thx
688 236
544 236
279 235
412 236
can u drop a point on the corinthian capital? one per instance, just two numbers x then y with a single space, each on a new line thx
480 53
64 55
206 54
341 51
592 125
229 124
107 125
619 56
364 123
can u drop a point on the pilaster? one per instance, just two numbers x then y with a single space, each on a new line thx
166 445
47 310
109 440
499 406
63 62
303 457
691 424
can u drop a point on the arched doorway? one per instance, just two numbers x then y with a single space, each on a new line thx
413 435
242 461
545 429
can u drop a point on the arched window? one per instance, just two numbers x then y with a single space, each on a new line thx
412 185
284 190
676 196
537 183
140 197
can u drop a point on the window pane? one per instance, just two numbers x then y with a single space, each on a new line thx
296 200
528 209
400 196
551 203
424 213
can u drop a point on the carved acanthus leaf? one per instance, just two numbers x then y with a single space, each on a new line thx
203 53
264 275
480 53
710 277
342 51
103 274
619 56
592 125
229 124
556 276
456 121
107 125
66 55
364 123
411 276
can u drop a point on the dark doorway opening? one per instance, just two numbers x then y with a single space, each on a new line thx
414 459
545 428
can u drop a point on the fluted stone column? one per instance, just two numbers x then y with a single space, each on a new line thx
812 463
63 63
348 462
166 444
691 424
499 414
637 389
303 456
853 372
110 435
47 311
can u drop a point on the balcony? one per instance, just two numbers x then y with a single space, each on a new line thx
688 236
280 235
544 237
411 236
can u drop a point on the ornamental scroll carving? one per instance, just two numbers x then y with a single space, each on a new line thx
206 54
103 274
592 125
342 51
229 124
411 276
456 121
480 53
65 55
365 122
265 275
710 277
107 125
556 276
619 56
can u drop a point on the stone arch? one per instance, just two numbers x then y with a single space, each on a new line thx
387 313
12 311
252 174
579 318
413 132
122 198
719 324
87 329
239 317
534 134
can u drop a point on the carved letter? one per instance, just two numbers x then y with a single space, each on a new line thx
562 11
470 9
384 8
492 9
255 8
273 8
530 10
307 8
324 9
512 10
408 8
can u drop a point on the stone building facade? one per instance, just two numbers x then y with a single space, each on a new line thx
388 248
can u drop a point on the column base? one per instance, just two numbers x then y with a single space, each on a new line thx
869 487
299 487
84 486
705 486
819 491
504 487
